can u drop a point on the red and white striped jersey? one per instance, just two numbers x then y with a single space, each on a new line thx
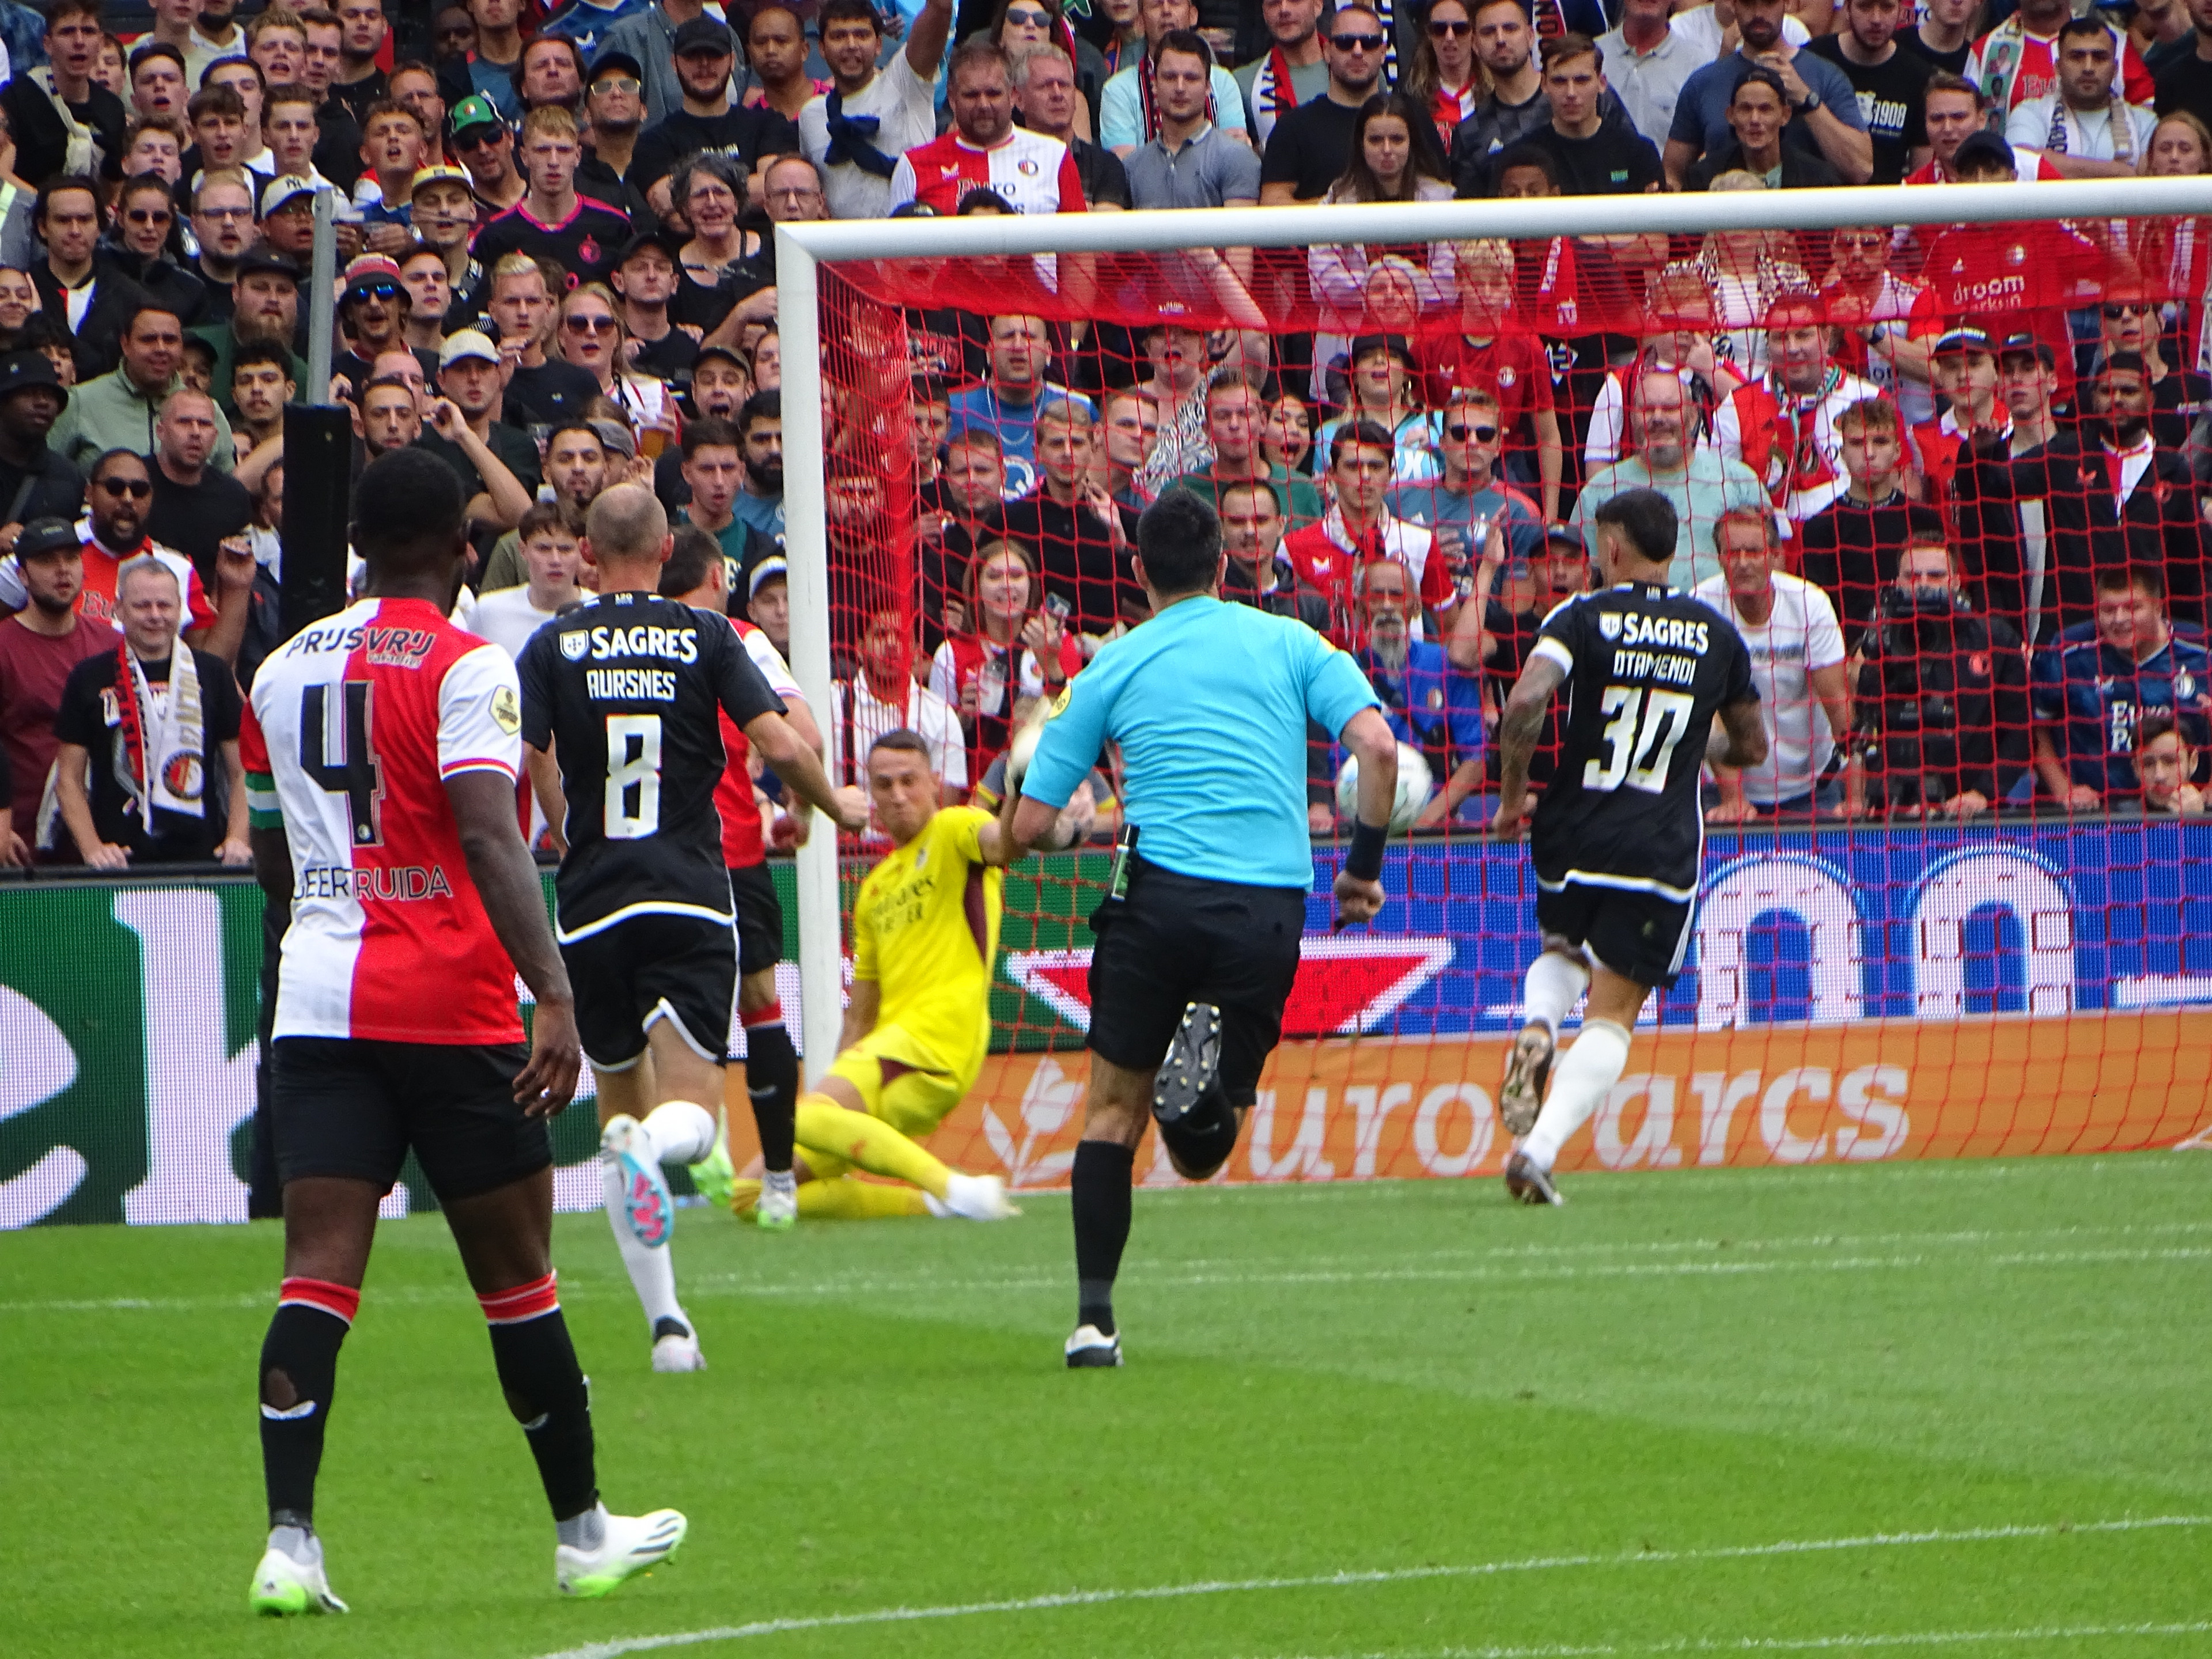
742 845
1034 174
352 730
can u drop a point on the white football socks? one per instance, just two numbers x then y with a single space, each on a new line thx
651 1271
680 1132
1580 1082
1554 983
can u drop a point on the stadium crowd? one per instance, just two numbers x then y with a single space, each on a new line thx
1950 484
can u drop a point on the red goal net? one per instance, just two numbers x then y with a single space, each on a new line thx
1949 482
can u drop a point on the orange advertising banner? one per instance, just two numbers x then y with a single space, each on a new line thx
1863 1091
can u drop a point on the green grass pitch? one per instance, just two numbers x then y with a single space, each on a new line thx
1939 1407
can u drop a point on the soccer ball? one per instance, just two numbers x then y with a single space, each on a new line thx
1415 784
1021 751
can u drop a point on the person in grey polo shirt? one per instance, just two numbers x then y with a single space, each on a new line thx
1193 163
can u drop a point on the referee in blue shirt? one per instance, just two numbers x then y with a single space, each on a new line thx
1198 938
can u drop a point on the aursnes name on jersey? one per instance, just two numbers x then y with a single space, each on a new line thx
631 684
677 644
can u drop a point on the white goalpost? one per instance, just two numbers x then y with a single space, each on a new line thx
802 249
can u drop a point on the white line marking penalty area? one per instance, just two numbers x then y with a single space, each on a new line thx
1353 1579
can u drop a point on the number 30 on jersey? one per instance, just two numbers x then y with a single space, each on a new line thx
1640 738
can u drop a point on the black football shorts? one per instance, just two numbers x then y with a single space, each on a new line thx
1640 935
1178 939
760 919
355 1107
651 967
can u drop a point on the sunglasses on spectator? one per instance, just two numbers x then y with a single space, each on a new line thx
478 137
589 324
1460 432
1867 243
380 290
147 216
2113 313
1440 27
139 488
617 83
1028 17
1356 42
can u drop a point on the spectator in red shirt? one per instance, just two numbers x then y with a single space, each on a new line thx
39 646
1020 647
1360 529
1495 352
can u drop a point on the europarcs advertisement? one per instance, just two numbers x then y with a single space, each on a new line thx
1853 994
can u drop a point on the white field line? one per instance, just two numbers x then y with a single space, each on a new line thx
1352 1579
1878 1252
1926 1639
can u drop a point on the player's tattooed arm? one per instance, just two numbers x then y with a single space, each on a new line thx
505 878
788 757
1739 738
1519 726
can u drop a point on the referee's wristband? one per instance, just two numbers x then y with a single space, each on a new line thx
1365 861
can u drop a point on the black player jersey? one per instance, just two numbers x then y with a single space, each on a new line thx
1646 669
625 690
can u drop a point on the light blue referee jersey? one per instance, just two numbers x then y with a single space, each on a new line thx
1209 701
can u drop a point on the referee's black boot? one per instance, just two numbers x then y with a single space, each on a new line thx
1192 1071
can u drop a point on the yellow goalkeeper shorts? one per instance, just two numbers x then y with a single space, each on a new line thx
901 1082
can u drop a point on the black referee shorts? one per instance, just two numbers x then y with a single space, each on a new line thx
1640 935
353 1107
651 967
760 919
1177 941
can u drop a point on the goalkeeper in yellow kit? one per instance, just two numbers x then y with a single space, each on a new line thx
925 935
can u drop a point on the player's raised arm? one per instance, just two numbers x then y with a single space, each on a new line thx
788 757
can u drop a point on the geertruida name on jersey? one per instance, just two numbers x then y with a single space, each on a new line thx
392 882
677 644
631 684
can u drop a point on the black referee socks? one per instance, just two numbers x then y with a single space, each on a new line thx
1100 1192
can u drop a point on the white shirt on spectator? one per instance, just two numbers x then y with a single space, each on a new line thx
905 105
923 711
2040 123
504 616
1800 636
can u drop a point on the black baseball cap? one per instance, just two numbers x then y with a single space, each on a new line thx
265 260
639 243
1968 338
22 370
42 537
2024 344
613 58
703 34
1568 537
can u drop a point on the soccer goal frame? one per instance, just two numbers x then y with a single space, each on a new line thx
802 249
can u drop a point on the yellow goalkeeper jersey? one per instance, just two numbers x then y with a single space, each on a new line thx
926 929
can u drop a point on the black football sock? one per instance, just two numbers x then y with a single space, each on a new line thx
772 1084
1100 1180
298 1370
1203 1137
546 1390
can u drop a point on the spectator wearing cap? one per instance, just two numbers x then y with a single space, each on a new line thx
552 221
704 54
373 311
118 410
40 644
287 219
485 144
1960 454
265 310
36 482
223 221
644 279
144 777
614 108
720 383
2114 496
490 72
442 213
469 376
90 304
768 600
856 130
1384 390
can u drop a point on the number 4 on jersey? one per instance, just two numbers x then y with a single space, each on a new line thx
1639 738
354 773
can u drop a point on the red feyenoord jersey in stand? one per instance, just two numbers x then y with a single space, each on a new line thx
584 244
2013 277
353 728
1034 174
742 843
